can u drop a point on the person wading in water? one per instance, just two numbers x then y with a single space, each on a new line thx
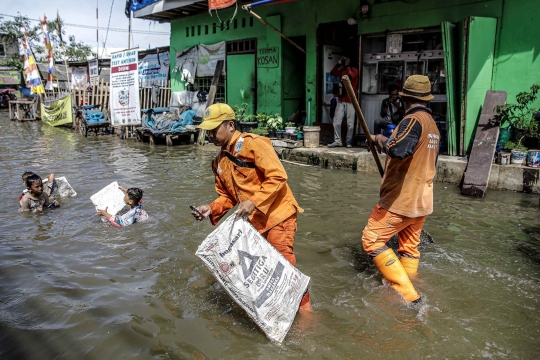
406 195
248 173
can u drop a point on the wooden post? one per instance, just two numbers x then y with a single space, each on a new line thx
210 97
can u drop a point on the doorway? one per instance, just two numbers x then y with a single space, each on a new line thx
294 81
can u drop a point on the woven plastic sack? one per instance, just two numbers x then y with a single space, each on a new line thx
255 274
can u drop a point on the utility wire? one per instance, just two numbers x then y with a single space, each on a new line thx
103 28
107 33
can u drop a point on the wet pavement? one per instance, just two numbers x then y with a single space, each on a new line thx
72 287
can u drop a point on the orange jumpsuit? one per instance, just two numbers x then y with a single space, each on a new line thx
265 185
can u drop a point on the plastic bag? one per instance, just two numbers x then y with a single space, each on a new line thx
255 275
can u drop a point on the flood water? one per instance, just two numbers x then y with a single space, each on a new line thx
72 287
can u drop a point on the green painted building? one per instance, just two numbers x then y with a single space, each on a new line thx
466 47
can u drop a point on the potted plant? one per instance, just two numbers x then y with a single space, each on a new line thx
246 122
299 133
518 152
274 123
522 118
260 131
289 127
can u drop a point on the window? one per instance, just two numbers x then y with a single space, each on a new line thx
2 50
203 84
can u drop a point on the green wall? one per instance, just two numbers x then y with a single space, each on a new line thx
515 68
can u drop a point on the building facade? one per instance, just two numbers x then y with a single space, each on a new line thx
465 47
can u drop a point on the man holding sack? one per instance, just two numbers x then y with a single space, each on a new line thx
249 174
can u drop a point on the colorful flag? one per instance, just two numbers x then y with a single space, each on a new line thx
127 10
219 4
49 50
31 73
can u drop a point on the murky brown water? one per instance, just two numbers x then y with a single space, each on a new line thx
74 288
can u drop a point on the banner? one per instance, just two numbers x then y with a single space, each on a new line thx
49 51
59 113
79 77
208 58
93 69
31 73
154 68
10 77
124 89
186 63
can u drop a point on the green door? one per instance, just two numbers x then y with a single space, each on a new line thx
241 81
477 75
452 89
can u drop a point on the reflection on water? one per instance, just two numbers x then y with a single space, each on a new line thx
73 287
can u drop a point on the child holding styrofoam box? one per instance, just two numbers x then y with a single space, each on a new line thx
110 197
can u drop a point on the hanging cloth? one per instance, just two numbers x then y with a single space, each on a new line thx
219 4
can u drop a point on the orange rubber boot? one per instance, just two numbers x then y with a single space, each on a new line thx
410 265
391 269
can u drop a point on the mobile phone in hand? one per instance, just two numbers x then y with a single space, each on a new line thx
197 211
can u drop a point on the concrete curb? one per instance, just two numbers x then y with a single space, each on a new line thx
449 169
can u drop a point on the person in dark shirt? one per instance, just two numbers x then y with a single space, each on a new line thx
392 110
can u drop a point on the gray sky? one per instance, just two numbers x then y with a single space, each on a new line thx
83 12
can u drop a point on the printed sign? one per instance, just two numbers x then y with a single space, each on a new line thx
10 77
154 69
79 78
255 275
124 89
93 68
268 57
59 113
209 55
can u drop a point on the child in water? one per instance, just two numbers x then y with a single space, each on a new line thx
135 214
35 198
50 186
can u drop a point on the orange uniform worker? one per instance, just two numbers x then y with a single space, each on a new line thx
249 173
406 195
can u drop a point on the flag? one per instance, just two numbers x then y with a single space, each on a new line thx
219 4
59 27
31 73
127 10
49 50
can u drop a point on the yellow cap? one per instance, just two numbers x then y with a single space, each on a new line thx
215 114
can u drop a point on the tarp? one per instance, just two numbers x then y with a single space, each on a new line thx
139 4
58 113
124 89
208 58
219 4
255 274
186 62
154 69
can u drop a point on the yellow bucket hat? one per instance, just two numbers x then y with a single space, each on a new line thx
418 87
215 114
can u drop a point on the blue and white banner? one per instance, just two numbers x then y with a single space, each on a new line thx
154 69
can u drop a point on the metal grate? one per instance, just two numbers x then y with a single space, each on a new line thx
203 84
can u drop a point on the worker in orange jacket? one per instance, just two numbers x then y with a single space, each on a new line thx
249 173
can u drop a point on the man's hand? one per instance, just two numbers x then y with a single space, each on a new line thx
123 189
340 61
245 208
203 209
378 141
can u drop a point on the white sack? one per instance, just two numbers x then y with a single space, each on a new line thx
255 275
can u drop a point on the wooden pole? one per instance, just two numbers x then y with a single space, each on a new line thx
362 122
211 96
249 11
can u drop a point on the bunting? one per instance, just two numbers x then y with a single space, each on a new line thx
31 73
49 50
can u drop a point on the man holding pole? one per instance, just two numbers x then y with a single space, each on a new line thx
249 173
406 195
